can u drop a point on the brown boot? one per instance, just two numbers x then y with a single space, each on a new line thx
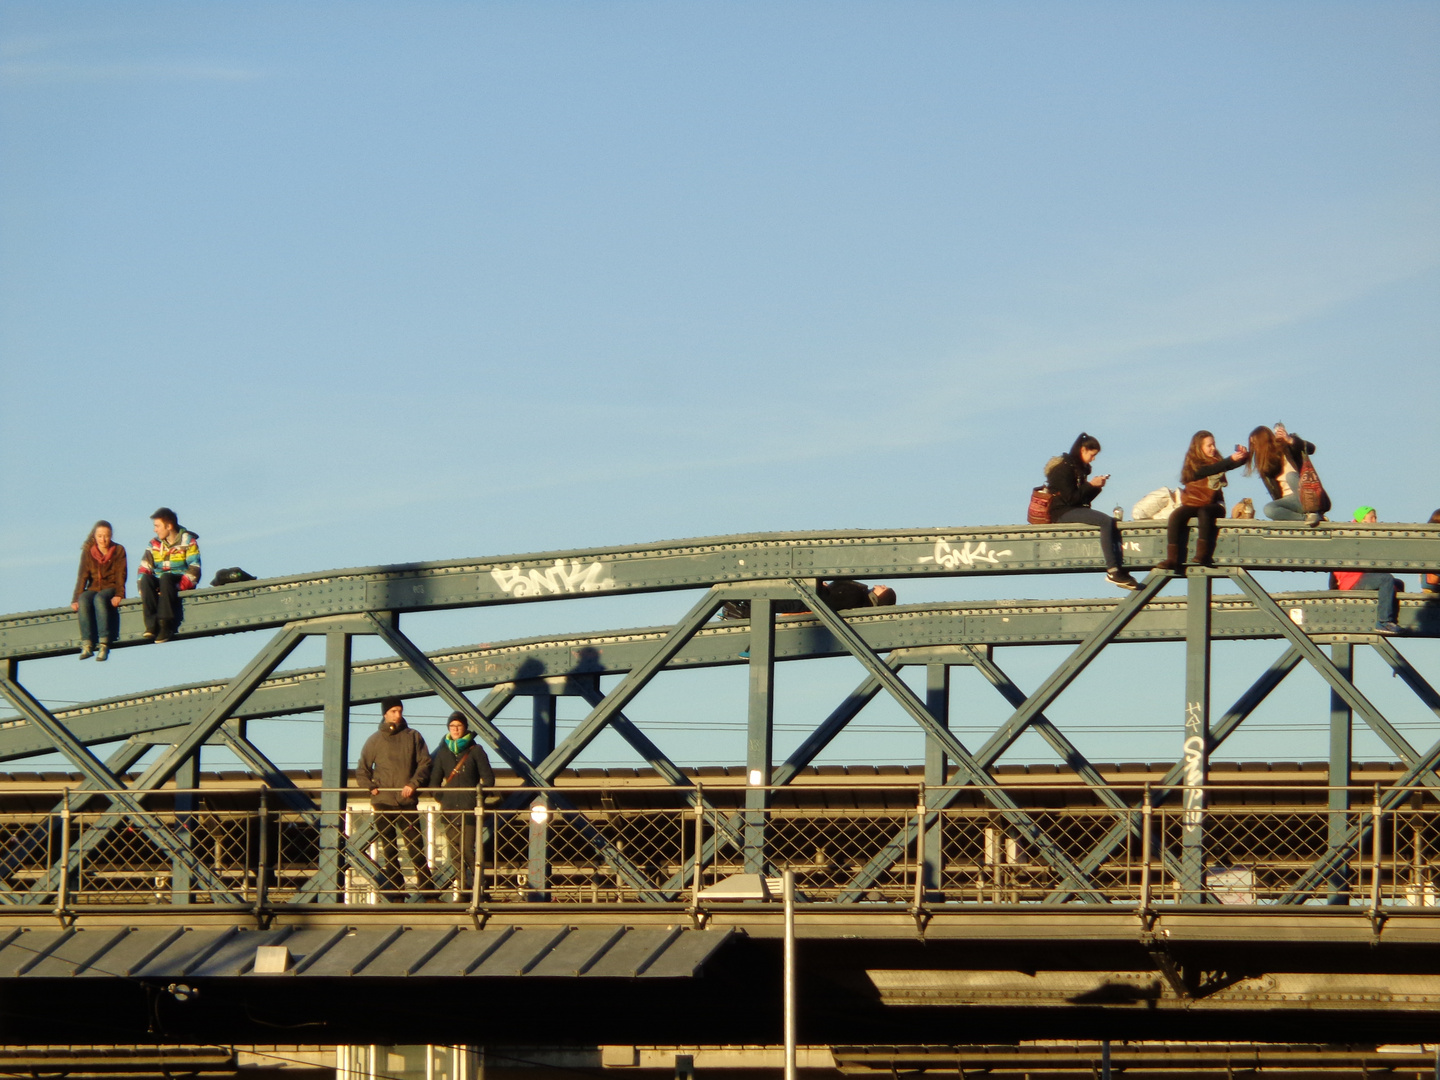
1205 551
1172 558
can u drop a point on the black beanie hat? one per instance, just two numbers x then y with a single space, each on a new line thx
388 703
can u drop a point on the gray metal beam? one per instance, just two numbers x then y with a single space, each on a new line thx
101 777
971 770
759 732
1342 686
699 563
1236 715
616 652
1341 736
1196 747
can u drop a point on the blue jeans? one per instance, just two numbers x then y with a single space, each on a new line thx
1109 535
97 612
1387 585
1288 508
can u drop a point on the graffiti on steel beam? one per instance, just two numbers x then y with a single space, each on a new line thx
1194 796
575 578
966 555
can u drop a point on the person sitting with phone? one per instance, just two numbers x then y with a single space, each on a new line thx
1072 490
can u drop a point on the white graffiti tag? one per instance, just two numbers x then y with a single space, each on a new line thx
1194 779
952 557
557 579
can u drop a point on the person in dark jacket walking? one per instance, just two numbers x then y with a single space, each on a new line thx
1071 493
99 588
393 764
458 768
1203 499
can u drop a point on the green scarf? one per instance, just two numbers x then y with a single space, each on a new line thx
460 745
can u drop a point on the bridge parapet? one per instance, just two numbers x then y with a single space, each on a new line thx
1269 848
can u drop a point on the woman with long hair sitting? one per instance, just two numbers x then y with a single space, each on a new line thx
99 589
1275 455
1072 491
1203 500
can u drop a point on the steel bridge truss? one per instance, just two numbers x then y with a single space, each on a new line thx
744 834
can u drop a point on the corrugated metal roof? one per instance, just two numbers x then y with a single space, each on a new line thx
176 952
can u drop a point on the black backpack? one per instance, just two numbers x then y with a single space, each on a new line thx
230 575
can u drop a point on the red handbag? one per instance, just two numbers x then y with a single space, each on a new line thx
1039 513
1313 499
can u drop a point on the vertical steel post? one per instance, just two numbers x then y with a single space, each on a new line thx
1341 736
921 849
542 744
699 848
789 886
1197 734
477 886
1105 1059
62 897
760 731
262 867
187 776
1147 841
1377 839
937 701
334 765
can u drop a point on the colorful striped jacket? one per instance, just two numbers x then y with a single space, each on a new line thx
182 556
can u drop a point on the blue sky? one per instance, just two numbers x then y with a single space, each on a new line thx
363 283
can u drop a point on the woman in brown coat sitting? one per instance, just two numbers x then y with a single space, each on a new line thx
1203 499
99 588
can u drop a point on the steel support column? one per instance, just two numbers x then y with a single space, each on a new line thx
186 802
1341 734
334 766
760 731
1197 734
542 745
937 700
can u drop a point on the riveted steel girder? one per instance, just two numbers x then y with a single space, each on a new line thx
692 564
616 652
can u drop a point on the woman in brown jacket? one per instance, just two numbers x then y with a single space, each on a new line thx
1203 498
99 588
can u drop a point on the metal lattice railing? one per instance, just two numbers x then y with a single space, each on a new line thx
1249 847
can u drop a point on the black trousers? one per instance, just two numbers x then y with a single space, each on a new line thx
404 826
1204 517
160 597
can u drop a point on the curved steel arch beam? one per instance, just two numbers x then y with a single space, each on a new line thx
701 563
616 652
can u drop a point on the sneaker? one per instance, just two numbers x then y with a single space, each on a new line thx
149 636
1389 629
87 650
1121 578
1312 520
102 653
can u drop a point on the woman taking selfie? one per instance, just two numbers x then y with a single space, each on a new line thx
1072 491
99 588
1203 499
1275 455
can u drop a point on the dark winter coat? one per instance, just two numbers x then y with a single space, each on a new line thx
393 760
458 792
1068 485
1292 458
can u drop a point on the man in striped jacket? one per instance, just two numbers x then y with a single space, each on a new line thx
170 566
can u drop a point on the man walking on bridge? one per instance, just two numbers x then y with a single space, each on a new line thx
393 764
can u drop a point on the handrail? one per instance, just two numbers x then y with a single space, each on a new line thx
259 860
